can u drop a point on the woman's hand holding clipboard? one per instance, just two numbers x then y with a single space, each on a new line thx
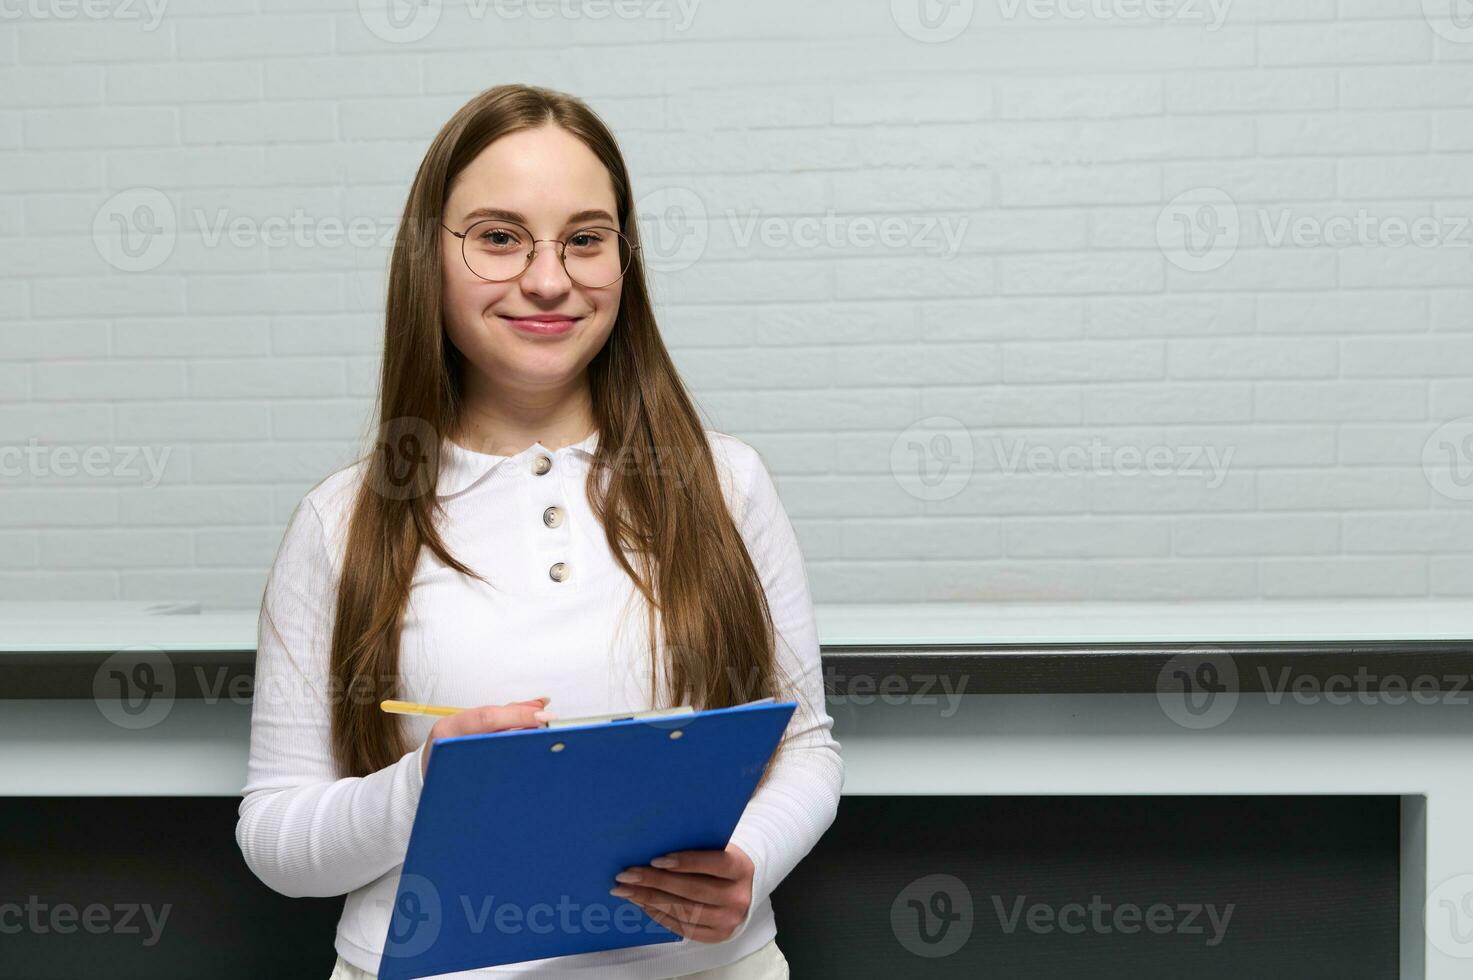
507 717
473 721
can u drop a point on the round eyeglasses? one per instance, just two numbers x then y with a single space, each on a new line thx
500 251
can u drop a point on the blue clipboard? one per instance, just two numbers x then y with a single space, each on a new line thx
519 834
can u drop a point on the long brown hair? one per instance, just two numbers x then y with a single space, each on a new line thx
690 563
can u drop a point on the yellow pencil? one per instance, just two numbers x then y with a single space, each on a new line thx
413 708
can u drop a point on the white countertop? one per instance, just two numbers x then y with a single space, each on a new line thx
60 626
1145 622
46 626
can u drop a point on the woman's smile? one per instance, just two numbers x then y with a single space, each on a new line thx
542 324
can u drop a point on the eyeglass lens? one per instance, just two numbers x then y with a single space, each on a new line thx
499 250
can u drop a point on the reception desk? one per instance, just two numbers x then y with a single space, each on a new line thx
1363 700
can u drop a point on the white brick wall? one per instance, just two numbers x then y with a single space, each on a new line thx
1070 237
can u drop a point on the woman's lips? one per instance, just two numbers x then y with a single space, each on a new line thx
542 328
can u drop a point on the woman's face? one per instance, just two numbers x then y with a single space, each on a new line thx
547 176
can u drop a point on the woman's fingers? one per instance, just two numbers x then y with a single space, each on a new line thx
676 886
501 717
486 718
490 718
696 920
720 864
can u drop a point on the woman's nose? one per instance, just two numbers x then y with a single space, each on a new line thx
546 275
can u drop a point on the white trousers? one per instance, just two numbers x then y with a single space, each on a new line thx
767 963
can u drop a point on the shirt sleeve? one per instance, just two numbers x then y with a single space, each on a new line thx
786 816
302 830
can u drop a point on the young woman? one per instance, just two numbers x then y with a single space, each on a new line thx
544 521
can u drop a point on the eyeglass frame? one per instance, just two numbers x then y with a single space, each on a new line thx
532 255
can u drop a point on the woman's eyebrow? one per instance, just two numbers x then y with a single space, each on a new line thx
521 219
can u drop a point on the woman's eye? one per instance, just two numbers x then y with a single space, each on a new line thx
497 236
583 239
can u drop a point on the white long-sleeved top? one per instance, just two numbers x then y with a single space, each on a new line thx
582 641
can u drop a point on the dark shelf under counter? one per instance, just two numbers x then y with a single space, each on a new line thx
901 670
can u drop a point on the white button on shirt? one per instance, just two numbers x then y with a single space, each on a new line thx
559 618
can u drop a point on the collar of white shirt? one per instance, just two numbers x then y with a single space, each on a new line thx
460 468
